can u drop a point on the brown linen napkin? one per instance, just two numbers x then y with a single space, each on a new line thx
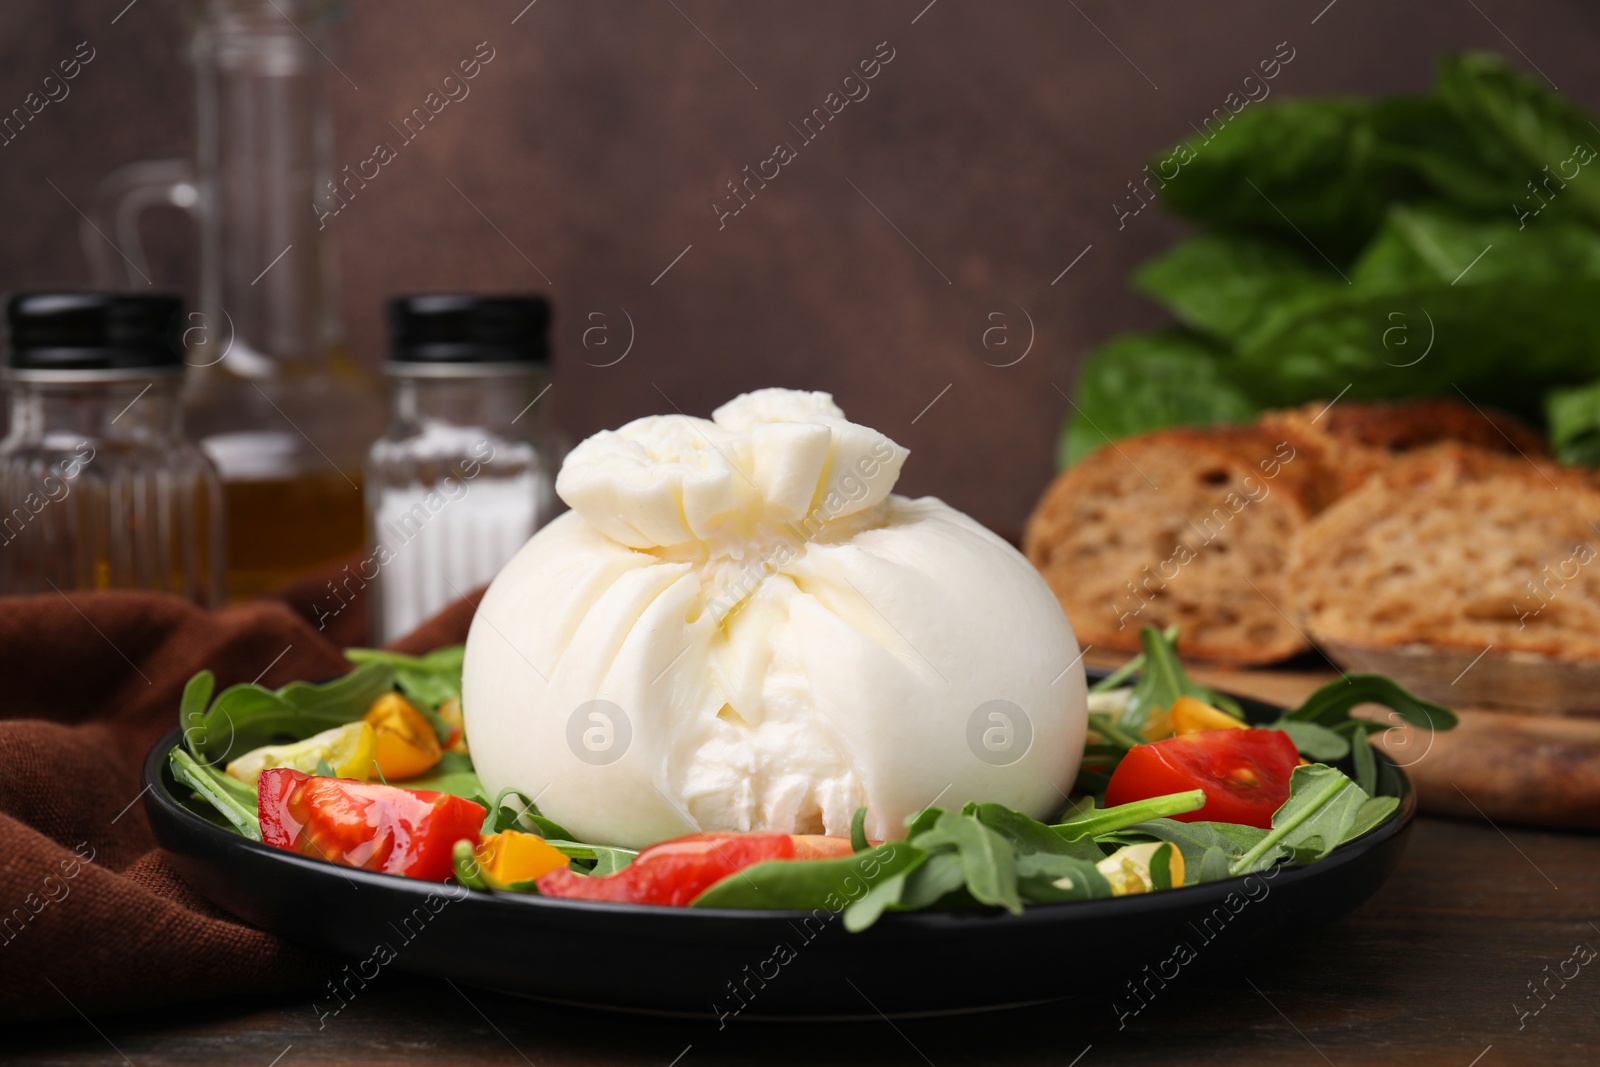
92 916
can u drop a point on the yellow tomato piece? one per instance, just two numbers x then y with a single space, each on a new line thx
450 712
1191 716
512 856
1158 726
348 750
1128 868
404 744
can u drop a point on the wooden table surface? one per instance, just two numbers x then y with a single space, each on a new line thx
1440 967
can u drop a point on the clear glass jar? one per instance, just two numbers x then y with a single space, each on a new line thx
466 472
274 397
100 489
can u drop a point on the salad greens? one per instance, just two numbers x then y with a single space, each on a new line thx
247 716
512 810
427 681
983 856
228 797
1322 727
1341 239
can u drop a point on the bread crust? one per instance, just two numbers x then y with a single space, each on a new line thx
1186 526
1352 440
1455 547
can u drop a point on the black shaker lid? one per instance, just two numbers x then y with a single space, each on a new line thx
98 332
445 328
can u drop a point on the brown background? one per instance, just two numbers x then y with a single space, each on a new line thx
997 140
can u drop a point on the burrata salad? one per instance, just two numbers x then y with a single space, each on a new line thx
743 672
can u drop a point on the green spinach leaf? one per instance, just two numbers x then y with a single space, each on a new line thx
1574 417
1142 382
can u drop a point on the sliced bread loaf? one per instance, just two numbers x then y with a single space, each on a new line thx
1456 548
1180 526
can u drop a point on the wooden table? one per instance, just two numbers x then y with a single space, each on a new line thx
1435 969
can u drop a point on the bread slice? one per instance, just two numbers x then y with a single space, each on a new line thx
1183 526
1351 440
1458 548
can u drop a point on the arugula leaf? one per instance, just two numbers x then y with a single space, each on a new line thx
930 883
1330 705
453 774
247 716
231 798
431 679
427 681
1319 815
1195 840
468 871
988 861
1161 866
1132 666
1315 742
1050 878
196 698
526 817
1213 866
921 821
884 894
858 830
1371 815
1090 821
605 859
1366 764
1029 836
1323 729
809 884
1163 680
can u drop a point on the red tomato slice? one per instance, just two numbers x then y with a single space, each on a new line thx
672 872
1245 774
363 824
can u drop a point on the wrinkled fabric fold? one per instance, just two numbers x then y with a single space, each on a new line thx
92 915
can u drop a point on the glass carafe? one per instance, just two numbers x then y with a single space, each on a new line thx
272 395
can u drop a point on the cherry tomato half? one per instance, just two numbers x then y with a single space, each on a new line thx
364 824
1245 774
673 872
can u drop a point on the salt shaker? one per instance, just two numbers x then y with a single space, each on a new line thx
466 472
99 489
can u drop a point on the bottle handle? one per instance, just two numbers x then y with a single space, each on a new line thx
109 232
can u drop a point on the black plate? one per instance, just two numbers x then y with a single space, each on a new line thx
753 964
